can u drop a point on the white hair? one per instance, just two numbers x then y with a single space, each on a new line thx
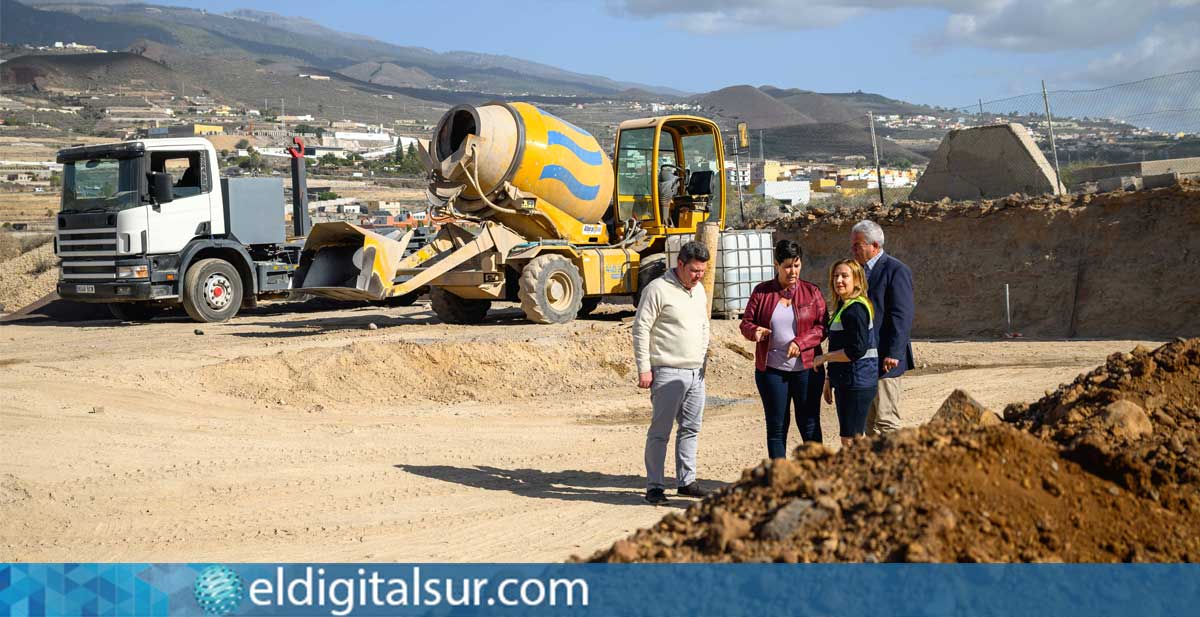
870 230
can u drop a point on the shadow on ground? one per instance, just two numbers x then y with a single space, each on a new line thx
568 485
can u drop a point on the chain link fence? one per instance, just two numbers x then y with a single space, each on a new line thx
1151 119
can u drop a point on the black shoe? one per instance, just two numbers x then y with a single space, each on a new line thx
656 496
693 490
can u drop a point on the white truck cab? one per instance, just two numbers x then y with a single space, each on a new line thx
148 223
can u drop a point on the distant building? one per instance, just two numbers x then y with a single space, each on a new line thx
790 192
186 130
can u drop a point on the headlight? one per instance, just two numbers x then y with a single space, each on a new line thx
133 272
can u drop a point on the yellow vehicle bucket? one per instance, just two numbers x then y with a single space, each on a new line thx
346 262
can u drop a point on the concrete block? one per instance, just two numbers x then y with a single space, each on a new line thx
1142 168
1119 183
986 162
1159 181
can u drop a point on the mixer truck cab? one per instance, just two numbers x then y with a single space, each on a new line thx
535 212
148 224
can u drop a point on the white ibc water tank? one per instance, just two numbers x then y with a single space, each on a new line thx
746 258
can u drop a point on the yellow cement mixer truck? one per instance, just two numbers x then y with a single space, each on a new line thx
532 210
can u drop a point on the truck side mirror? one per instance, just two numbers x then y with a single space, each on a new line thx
161 190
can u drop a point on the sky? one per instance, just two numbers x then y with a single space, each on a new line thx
938 52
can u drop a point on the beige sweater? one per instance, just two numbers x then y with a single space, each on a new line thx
671 325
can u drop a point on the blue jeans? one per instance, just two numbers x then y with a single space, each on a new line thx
781 390
852 407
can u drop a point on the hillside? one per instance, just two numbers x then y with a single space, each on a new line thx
826 140
752 106
388 74
83 71
819 107
879 104
259 34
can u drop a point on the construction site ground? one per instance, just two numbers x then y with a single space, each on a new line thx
314 436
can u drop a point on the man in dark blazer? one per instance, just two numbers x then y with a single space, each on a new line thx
890 289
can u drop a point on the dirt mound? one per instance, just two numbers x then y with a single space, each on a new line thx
27 277
1135 420
558 363
1035 489
1076 265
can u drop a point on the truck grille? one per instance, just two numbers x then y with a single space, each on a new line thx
88 254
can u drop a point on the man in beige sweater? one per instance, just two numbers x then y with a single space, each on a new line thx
670 339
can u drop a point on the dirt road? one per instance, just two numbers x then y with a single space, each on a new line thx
311 437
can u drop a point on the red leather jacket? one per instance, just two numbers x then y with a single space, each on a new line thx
811 317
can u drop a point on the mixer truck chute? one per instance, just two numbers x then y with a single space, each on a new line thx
534 211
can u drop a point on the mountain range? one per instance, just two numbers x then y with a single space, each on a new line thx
255 56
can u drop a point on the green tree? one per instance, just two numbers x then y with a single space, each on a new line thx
55 180
242 144
329 160
324 195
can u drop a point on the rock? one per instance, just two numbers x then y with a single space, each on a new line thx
725 528
625 551
783 473
1126 419
372 326
97 410
198 332
962 407
787 520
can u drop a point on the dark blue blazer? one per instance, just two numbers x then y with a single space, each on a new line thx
890 289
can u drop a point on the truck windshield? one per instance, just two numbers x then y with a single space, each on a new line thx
100 185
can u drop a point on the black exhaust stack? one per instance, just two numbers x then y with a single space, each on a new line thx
301 223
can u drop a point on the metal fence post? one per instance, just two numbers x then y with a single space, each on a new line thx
1059 188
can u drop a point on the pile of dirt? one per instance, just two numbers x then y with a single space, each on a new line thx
1075 265
1045 486
1135 421
27 277
576 362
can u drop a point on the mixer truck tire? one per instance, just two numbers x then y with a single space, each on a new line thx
452 309
651 268
551 290
212 291
588 306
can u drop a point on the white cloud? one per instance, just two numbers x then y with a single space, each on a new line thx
1012 25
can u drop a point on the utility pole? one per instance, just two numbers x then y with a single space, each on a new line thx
1058 187
981 107
875 149
761 152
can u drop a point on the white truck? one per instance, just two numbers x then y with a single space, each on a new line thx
149 223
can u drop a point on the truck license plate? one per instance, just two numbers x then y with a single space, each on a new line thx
85 289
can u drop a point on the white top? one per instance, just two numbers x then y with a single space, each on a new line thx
671 325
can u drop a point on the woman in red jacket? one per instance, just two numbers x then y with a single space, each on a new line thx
786 318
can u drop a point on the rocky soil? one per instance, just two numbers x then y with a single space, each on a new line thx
1103 469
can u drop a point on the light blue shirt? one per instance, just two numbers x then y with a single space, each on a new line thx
872 261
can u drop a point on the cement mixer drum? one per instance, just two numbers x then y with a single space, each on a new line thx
535 151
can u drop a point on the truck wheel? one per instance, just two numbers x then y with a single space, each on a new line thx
134 311
650 268
212 291
588 306
551 290
453 309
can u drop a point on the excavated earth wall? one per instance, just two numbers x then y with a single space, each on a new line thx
1120 264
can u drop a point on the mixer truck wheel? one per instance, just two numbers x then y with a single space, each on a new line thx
452 309
651 268
551 290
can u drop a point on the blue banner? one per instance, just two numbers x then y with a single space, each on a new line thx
874 590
